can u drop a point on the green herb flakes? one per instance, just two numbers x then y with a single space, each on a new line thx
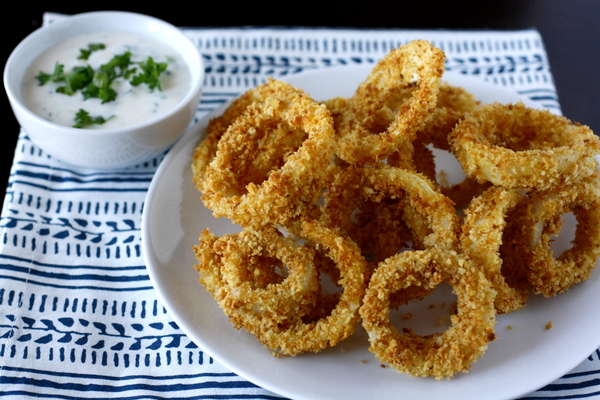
96 83
84 54
83 119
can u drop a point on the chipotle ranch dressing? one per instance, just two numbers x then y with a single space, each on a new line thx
133 104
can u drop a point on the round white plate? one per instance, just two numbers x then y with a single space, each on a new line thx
524 357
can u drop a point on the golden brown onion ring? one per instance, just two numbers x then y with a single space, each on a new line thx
440 355
382 209
550 275
205 151
516 146
295 335
416 64
453 104
316 335
272 162
260 273
386 210
481 239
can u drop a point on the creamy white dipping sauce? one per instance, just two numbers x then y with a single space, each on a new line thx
133 104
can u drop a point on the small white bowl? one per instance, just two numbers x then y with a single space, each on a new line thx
104 148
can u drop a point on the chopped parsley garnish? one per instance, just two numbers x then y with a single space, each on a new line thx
83 119
84 54
150 74
100 88
118 66
76 80
56 76
97 83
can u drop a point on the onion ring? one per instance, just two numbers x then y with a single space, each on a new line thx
550 275
295 335
440 355
418 64
452 105
406 206
386 210
481 239
206 150
343 320
239 271
263 173
520 147
375 224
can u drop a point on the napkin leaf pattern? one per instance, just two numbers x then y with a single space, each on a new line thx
78 315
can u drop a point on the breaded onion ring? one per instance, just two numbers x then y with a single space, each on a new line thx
295 335
418 64
272 161
314 336
374 223
440 355
205 151
520 147
452 105
548 275
407 207
261 274
481 239
432 217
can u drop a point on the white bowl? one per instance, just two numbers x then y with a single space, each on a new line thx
104 148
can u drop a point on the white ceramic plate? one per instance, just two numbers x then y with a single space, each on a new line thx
520 360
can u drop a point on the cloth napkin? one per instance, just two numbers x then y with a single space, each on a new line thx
78 315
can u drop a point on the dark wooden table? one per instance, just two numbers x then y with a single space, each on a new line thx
570 29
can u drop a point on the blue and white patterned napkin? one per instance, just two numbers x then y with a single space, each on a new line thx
78 315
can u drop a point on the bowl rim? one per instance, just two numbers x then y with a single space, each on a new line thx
197 75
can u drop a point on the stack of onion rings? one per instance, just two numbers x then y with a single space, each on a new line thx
346 190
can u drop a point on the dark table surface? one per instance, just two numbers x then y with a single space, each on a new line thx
570 30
